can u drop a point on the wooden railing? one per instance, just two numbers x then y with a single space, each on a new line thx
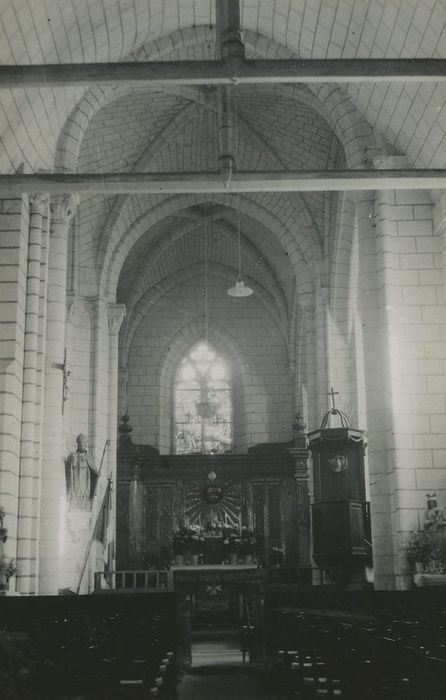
149 581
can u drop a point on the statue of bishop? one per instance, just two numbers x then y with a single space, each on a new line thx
82 476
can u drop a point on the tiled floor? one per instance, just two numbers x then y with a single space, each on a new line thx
224 686
218 673
218 653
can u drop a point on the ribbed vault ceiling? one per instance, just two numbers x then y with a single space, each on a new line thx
206 232
35 31
160 131
157 130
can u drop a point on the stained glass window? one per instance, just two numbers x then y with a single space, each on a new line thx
203 423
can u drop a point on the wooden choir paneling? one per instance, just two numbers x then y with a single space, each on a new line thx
152 498
122 530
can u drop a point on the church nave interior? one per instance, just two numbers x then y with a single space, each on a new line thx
222 348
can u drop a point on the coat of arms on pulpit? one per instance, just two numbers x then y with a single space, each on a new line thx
338 464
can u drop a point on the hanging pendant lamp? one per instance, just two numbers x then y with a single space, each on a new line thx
239 289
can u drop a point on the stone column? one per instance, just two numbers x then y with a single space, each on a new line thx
116 313
136 517
44 260
29 488
411 284
99 376
301 456
53 499
322 352
376 388
14 231
310 401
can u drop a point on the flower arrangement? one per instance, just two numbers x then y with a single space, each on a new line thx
422 547
196 539
7 569
231 540
189 538
441 554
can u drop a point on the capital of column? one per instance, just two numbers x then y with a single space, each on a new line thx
116 314
96 307
63 207
38 202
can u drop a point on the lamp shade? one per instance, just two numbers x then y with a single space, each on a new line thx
239 290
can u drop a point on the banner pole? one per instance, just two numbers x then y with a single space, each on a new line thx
87 553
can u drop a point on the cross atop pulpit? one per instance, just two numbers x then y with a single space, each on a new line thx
333 393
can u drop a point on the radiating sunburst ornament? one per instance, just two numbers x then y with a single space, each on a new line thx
217 503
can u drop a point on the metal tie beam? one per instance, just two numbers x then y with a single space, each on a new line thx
233 70
213 182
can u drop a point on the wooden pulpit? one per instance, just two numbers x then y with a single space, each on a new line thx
339 511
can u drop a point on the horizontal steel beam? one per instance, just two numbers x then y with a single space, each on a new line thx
212 182
231 71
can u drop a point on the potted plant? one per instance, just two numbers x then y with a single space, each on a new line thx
7 569
442 554
421 548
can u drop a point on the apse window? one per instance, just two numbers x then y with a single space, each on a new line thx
202 396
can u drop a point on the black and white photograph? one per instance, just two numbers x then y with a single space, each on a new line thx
222 349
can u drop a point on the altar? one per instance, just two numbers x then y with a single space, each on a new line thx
221 596
206 509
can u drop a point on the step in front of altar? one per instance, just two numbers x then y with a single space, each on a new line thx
188 576
220 571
